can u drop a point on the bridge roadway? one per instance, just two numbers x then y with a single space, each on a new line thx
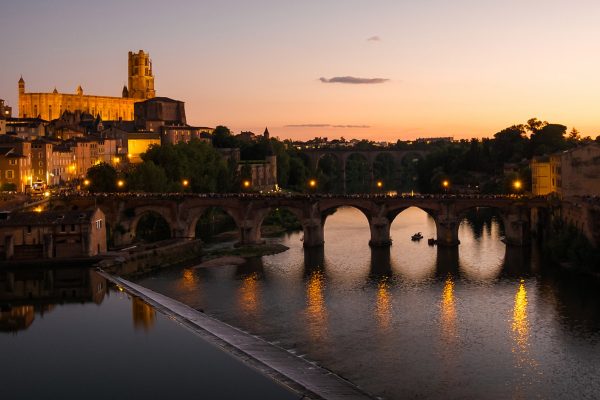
182 212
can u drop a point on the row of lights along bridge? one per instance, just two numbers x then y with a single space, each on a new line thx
312 184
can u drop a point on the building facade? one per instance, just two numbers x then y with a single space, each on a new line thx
52 234
572 172
49 106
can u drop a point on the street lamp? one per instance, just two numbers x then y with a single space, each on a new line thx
517 185
120 183
185 183
246 183
445 184
379 184
312 183
86 182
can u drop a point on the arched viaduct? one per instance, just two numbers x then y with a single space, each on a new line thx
182 212
342 155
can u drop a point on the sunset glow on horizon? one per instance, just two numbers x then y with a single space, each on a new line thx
383 70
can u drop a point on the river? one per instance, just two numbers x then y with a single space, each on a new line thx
417 321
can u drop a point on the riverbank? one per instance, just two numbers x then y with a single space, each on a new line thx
135 262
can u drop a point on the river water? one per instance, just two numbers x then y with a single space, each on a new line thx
416 321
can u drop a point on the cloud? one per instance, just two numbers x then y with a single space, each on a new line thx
374 39
325 126
353 80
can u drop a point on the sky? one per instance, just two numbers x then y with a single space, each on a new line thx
379 70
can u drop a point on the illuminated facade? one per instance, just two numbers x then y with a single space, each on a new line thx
49 106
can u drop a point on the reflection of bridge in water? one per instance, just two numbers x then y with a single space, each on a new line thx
520 215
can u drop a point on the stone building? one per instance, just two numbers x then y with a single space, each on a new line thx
573 172
52 234
263 174
26 128
15 163
49 106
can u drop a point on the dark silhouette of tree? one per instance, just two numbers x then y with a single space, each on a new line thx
103 178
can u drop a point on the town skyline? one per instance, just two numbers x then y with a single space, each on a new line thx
394 71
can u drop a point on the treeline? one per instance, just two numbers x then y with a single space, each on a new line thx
476 164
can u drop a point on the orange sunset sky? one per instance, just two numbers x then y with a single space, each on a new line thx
382 70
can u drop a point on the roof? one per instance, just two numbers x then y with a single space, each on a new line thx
160 99
47 218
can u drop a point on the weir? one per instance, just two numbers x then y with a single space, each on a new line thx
307 378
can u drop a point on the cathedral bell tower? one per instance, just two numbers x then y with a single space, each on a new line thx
141 81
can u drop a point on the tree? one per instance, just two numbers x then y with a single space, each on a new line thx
548 139
102 177
149 177
222 138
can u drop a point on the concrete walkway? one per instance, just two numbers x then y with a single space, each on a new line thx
308 379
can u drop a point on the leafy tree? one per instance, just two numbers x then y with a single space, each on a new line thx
222 138
103 178
149 177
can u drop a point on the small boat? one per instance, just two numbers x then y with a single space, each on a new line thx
431 241
416 237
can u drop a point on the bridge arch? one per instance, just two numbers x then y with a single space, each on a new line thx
384 168
194 215
162 215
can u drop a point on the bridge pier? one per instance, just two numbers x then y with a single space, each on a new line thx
517 231
380 232
250 234
313 234
447 232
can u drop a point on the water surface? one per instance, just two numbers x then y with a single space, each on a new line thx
481 321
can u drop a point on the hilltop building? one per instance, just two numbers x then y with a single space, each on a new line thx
49 106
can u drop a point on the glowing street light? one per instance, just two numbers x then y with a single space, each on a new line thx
246 184
120 183
445 184
86 182
379 184
185 183
312 183
517 185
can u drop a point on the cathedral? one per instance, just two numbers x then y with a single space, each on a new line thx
49 106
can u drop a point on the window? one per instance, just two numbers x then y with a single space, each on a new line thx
73 228
99 224
63 228
12 162
41 164
10 174
29 229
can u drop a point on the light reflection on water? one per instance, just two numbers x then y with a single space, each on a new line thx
414 321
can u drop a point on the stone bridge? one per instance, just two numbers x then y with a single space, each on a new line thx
182 212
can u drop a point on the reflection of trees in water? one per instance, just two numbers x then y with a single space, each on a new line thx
481 219
575 298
